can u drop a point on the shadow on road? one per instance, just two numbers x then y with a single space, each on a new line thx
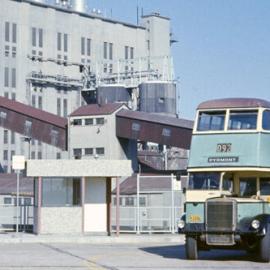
178 252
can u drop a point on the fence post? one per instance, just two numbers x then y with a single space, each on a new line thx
172 209
138 203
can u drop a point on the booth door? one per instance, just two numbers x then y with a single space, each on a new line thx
95 211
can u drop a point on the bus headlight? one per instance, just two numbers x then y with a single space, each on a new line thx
255 224
181 224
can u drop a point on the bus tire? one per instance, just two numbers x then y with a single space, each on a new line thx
191 248
264 246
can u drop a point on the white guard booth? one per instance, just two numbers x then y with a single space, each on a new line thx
73 196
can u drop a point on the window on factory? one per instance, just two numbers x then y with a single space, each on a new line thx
6 77
14 52
65 42
59 43
105 44
89 121
12 138
33 155
58 106
13 96
27 128
5 154
33 100
100 121
7 200
39 155
54 136
111 68
5 136
77 152
131 53
13 78
100 151
7 31
58 155
88 151
14 32
77 122
88 47
6 50
65 109
83 46
166 132
34 36
40 102
126 52
110 51
12 153
40 36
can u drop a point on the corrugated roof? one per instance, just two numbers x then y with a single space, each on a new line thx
156 118
95 109
234 103
32 112
8 184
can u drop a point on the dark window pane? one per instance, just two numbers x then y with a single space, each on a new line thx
100 151
40 33
7 31
100 121
88 151
248 187
265 186
83 46
243 120
89 121
14 32
266 120
211 121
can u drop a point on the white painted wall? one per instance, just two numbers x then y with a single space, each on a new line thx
95 215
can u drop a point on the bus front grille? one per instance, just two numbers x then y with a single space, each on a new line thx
220 218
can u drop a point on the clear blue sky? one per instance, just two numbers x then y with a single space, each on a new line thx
223 48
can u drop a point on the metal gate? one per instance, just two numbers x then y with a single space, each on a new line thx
160 206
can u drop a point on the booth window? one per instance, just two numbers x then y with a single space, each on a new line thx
58 192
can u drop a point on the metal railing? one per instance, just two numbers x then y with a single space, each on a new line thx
8 218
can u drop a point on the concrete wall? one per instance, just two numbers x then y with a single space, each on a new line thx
61 220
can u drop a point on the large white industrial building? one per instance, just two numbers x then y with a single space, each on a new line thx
54 53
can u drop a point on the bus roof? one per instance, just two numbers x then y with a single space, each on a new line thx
234 103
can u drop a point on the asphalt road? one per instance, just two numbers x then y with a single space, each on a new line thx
118 257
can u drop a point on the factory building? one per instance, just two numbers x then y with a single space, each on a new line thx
59 55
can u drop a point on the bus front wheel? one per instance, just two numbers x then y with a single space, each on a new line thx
191 248
264 247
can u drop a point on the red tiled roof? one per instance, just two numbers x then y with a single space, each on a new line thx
95 109
33 112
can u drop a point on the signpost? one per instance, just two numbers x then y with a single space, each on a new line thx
18 164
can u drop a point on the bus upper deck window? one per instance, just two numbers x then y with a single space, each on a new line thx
266 120
243 120
211 121
264 186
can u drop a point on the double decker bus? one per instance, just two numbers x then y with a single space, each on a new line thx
228 195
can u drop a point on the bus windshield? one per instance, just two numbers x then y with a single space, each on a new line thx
204 181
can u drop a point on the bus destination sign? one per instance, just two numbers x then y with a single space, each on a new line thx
223 159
